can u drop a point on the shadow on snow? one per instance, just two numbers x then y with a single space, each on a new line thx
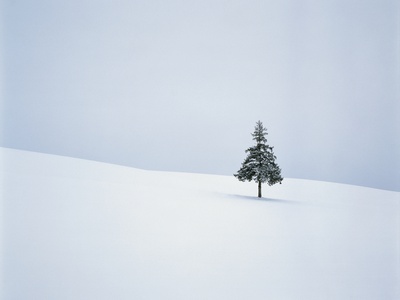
263 199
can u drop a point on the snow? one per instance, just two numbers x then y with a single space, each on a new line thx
76 229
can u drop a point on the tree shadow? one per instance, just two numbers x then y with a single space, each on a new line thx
263 199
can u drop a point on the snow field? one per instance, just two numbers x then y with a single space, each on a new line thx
76 229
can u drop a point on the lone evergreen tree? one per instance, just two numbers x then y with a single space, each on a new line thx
260 165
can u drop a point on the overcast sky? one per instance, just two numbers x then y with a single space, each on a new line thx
178 85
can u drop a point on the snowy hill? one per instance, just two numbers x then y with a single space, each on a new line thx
76 229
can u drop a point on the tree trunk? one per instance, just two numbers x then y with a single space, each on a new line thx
259 189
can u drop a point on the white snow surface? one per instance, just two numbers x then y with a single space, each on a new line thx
76 229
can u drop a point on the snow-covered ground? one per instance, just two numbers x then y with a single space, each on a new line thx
76 229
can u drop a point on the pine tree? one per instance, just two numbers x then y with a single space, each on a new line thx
260 165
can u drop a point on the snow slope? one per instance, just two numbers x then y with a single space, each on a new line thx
76 229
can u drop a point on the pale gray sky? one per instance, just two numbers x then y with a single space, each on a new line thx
178 85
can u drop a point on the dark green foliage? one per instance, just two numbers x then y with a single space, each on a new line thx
260 165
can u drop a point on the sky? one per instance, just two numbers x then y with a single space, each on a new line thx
178 85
